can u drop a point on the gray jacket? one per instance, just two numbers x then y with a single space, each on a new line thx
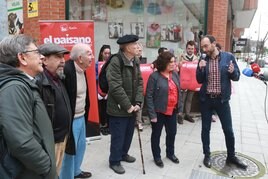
25 125
157 93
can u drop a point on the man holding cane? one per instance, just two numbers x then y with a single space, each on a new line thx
124 98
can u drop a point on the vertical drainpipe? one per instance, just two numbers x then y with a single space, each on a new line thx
3 20
67 7
206 17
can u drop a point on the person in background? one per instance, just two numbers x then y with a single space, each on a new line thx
81 57
25 126
55 96
162 97
215 73
160 50
187 95
139 113
104 55
125 97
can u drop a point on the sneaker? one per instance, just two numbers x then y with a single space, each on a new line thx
235 161
117 168
129 159
188 118
180 120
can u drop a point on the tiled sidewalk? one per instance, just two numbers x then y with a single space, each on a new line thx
250 127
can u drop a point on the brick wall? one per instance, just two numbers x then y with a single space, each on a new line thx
48 10
217 20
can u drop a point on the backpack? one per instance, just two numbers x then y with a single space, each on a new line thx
103 83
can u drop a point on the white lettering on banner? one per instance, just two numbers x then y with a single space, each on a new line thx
67 40
145 68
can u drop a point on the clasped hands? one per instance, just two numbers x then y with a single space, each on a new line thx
134 108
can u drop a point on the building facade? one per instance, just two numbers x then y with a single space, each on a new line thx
158 23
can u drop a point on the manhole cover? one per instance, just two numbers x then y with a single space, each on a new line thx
255 169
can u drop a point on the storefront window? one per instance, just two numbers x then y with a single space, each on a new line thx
158 23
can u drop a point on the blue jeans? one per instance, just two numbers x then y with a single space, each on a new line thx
71 163
170 123
121 129
224 113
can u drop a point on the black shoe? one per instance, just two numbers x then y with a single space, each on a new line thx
207 161
174 159
189 118
128 158
117 168
235 161
180 120
83 175
159 163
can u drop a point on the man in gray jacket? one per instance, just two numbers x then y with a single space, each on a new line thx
124 99
25 127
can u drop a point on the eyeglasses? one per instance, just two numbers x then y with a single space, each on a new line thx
35 50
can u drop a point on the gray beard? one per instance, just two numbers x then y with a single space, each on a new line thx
61 75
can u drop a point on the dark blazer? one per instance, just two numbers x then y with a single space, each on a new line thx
70 83
202 76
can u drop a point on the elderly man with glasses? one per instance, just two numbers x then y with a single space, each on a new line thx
25 128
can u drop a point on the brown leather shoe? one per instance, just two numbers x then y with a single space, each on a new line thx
83 175
188 118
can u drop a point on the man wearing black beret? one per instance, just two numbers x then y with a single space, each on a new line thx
124 99
55 96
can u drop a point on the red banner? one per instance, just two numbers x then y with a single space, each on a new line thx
67 34
188 76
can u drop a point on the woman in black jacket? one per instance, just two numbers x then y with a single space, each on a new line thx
162 95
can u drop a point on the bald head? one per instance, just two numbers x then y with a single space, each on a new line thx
82 54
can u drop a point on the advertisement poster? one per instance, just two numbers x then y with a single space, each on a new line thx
15 17
32 8
67 34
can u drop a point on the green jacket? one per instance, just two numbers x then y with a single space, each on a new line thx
125 88
25 125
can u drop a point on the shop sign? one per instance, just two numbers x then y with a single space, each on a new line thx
32 8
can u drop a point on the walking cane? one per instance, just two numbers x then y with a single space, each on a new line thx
139 137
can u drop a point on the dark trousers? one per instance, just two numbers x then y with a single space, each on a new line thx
224 113
170 124
104 118
121 129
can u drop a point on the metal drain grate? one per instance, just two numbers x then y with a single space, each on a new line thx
255 168
204 175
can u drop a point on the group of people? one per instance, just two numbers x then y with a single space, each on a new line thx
44 107
44 104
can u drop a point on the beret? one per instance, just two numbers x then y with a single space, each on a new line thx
50 48
127 39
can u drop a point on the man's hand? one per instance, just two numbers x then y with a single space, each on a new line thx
154 120
137 108
131 109
231 67
202 64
